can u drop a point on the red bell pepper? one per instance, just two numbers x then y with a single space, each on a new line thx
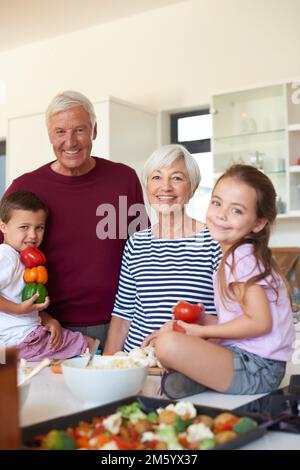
32 257
227 425
124 444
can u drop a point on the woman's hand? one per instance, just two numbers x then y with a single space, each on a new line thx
55 330
150 339
168 326
28 306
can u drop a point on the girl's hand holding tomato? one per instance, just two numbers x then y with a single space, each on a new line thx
186 312
193 329
189 313
178 328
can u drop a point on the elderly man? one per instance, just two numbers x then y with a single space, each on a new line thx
83 194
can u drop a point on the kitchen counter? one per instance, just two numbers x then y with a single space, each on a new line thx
49 398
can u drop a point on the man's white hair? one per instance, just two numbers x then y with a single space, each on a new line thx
69 99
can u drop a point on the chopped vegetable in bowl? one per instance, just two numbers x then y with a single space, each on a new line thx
117 364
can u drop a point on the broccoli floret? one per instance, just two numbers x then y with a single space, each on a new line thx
127 410
180 424
152 417
58 440
245 424
207 443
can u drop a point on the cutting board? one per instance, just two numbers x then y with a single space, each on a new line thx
155 371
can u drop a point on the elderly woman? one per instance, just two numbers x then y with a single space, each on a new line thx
173 259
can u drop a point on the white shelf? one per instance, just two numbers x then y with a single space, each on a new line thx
294 127
251 134
265 137
273 121
294 169
289 215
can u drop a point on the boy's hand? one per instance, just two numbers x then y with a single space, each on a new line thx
28 306
53 326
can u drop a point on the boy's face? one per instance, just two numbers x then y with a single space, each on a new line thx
25 228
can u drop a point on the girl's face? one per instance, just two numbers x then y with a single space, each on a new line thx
231 214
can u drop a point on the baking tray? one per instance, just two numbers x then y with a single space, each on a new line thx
147 404
281 406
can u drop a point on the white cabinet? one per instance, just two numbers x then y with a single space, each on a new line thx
126 134
261 127
293 120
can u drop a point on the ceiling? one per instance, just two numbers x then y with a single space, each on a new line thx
26 21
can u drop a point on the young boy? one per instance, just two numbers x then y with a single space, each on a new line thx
25 324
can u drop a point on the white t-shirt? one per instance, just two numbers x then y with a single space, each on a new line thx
14 328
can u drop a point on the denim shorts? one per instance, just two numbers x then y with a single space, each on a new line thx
254 374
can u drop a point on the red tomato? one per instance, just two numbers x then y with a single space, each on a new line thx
178 328
187 312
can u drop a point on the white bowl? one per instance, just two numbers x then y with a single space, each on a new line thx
99 386
23 393
23 389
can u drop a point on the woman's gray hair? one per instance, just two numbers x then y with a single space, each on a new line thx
165 156
69 99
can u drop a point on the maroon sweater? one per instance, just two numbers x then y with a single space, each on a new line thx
83 269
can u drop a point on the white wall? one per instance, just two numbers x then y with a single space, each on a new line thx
172 58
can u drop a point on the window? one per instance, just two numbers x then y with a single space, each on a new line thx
193 130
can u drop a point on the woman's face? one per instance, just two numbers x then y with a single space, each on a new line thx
169 188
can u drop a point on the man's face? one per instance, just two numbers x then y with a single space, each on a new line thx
71 135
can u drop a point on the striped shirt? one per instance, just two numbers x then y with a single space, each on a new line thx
156 273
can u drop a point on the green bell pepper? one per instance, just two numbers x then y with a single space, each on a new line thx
32 288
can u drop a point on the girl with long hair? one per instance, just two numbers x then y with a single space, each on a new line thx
245 348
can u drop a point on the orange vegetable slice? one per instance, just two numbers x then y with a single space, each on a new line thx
56 369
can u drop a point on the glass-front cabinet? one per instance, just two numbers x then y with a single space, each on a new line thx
261 127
